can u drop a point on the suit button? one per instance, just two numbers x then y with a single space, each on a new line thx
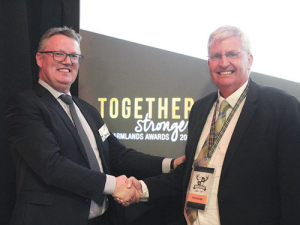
87 200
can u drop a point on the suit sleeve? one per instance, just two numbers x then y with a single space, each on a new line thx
175 183
166 185
120 159
288 151
36 151
131 162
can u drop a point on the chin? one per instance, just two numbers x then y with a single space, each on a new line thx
63 87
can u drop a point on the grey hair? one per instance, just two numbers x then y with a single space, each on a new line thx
229 31
69 32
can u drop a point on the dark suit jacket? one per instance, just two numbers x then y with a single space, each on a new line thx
54 182
260 178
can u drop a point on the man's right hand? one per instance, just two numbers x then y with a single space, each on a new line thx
125 191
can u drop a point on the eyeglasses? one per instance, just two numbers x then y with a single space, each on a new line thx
61 56
229 55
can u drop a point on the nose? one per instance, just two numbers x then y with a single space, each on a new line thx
67 60
224 62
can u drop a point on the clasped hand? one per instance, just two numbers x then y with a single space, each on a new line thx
127 191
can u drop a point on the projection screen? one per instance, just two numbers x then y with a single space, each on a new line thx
145 62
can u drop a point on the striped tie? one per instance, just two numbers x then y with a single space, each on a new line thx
222 117
216 126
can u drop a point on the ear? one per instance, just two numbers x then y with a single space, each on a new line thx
39 59
250 61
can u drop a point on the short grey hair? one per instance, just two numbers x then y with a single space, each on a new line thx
69 32
229 31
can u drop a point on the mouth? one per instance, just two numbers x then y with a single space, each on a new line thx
64 70
226 72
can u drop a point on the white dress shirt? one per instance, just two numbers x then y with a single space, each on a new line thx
210 216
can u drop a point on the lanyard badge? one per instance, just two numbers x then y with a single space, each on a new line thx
200 188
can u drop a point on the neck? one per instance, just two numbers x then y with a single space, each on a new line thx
227 91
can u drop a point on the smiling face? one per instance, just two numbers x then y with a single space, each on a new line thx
59 75
229 74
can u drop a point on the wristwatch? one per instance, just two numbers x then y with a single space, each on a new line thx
172 164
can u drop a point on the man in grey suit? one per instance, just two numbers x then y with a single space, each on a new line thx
252 162
58 180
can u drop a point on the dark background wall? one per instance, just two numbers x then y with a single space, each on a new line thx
23 22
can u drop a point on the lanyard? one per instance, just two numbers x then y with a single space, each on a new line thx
214 141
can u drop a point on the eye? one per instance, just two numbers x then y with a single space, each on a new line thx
232 55
216 56
59 54
75 56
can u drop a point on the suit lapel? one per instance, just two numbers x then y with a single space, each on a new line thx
49 99
94 128
241 126
198 120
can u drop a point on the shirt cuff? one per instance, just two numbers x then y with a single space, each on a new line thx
166 165
145 192
110 185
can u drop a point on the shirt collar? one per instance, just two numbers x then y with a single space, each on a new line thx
54 92
233 98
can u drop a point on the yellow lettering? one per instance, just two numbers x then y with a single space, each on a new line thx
114 108
102 100
126 109
137 108
150 108
162 108
188 103
175 108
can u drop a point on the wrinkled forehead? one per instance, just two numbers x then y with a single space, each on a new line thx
223 45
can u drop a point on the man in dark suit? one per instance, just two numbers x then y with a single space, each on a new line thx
58 180
255 159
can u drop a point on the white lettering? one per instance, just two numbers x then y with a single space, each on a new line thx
147 124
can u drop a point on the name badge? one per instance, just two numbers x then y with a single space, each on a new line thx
104 132
200 188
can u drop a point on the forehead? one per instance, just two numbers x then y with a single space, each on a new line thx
61 42
233 43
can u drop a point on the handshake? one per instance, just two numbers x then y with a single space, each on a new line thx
127 190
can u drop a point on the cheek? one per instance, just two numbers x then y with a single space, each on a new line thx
211 67
244 66
74 73
214 77
50 67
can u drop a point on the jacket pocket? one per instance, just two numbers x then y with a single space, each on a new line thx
39 198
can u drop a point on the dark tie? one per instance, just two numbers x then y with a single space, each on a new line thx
86 143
